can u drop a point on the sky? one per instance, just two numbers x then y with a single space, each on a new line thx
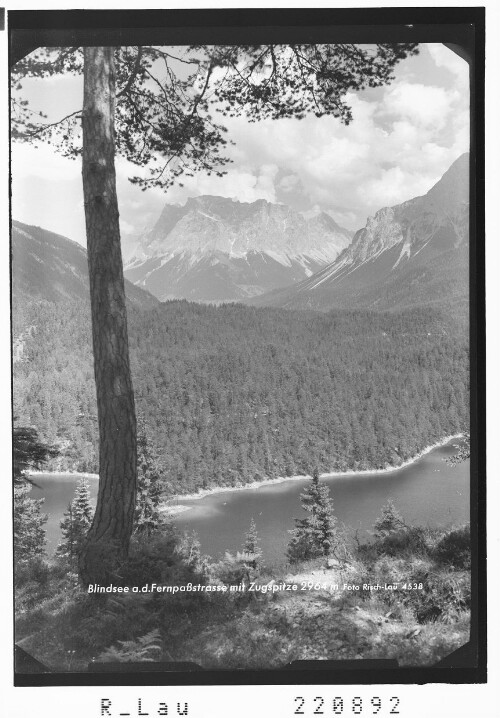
402 139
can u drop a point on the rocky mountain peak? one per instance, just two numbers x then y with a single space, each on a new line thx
253 245
411 252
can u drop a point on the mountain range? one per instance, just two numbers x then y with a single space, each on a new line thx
413 253
215 249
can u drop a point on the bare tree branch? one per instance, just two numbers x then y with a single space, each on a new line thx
43 128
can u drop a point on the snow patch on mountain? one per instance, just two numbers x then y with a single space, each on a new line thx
234 245
412 252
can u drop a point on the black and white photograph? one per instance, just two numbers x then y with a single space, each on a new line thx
245 300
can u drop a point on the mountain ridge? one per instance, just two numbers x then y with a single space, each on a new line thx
47 265
422 241
218 249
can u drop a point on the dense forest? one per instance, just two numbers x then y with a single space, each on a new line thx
231 394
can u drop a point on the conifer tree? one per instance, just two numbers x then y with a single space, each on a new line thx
76 523
314 535
29 534
251 550
28 453
389 522
148 517
189 549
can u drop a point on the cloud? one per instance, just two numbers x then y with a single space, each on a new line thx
127 227
403 137
344 167
393 186
247 184
398 145
423 105
289 183
446 58
42 161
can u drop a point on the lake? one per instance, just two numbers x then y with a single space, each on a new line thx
428 492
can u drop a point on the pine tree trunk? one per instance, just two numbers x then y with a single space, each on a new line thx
108 538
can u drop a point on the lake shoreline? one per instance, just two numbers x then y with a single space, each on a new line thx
69 474
179 508
174 509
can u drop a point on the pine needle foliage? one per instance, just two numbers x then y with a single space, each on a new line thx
29 534
251 550
171 122
76 523
28 452
315 534
389 522
148 518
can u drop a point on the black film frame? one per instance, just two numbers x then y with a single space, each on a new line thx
462 29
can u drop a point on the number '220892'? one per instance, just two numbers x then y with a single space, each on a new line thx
343 706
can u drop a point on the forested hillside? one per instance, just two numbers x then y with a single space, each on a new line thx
230 394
